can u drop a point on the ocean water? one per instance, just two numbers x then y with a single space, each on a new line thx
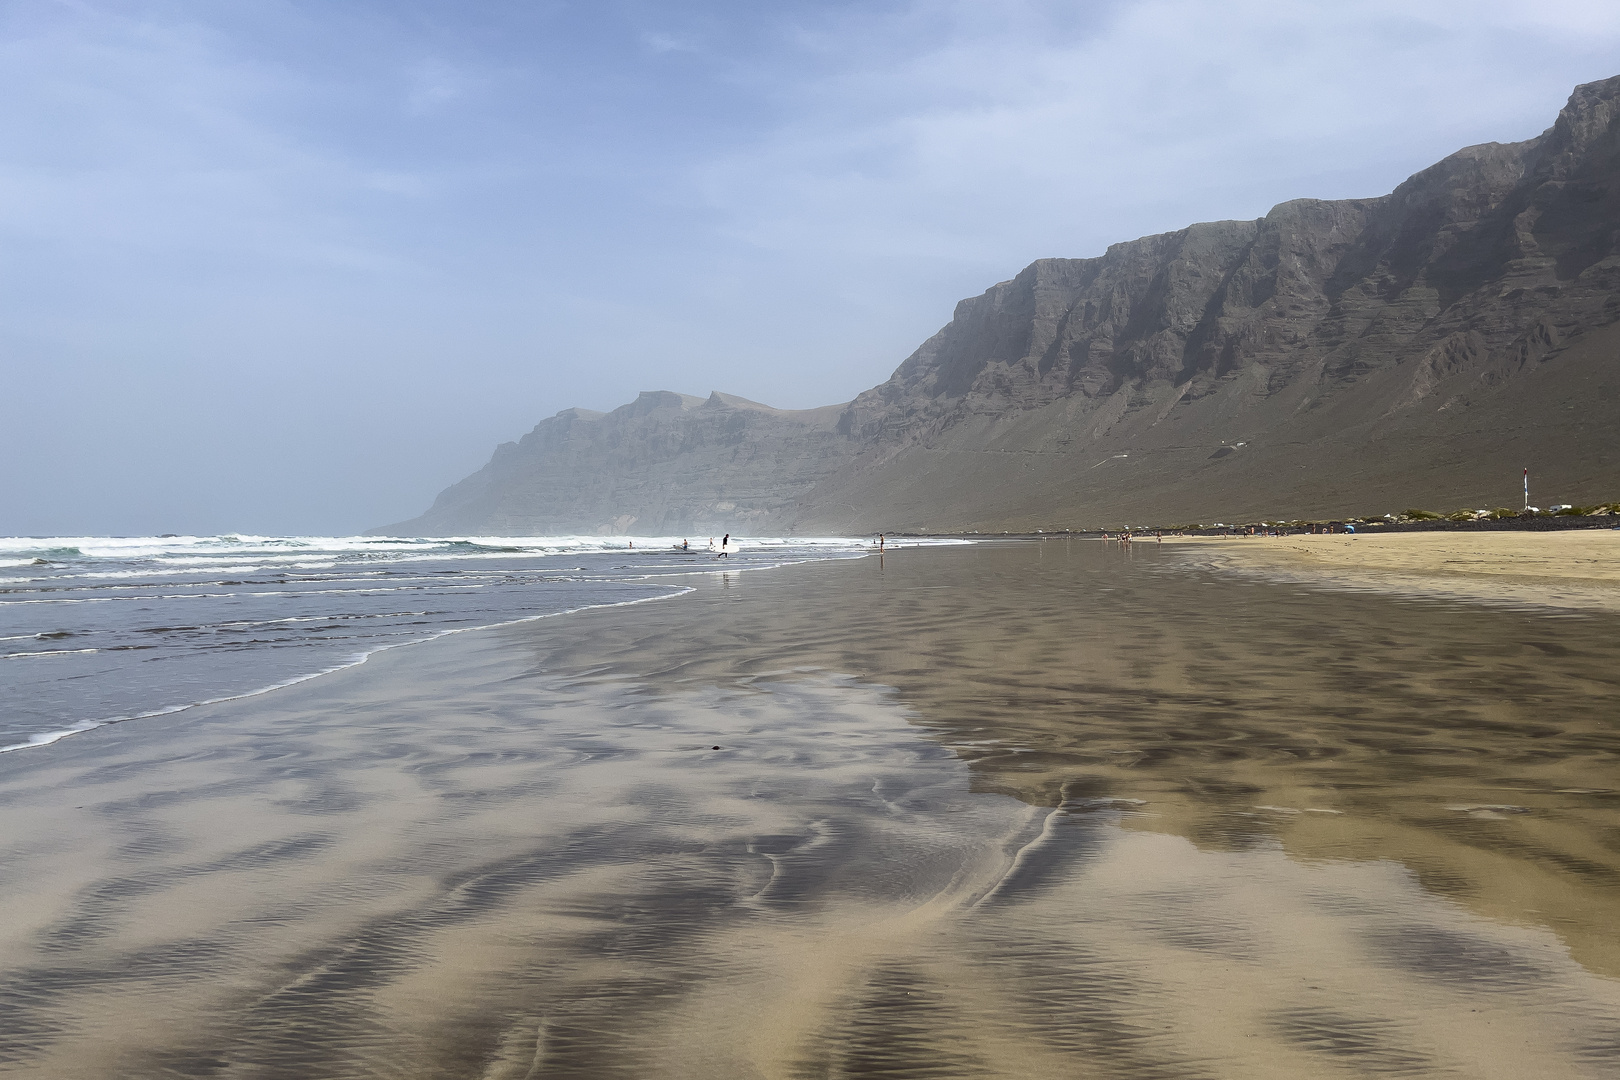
94 630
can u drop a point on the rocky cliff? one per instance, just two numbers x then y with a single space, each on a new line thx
665 464
1331 357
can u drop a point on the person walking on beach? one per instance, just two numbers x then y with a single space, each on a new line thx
725 544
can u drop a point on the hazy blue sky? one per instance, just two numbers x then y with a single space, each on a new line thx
295 265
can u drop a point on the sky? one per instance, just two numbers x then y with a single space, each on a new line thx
294 266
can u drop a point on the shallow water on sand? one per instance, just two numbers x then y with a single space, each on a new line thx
1016 810
99 630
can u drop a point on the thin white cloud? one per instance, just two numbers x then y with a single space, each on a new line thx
160 136
999 138
435 84
661 42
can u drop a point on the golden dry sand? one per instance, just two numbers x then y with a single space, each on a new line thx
1577 569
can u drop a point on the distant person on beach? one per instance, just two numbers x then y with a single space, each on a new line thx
725 544
683 545
880 541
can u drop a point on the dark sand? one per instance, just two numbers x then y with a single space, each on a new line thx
1020 810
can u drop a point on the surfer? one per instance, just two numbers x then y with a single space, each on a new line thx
724 544
683 545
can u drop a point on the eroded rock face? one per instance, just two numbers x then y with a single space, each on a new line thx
1504 241
1421 347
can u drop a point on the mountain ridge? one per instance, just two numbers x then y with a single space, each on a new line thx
1419 347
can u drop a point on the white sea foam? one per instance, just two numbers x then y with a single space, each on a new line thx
45 652
114 599
23 550
173 569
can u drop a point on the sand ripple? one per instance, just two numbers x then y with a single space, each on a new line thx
1041 810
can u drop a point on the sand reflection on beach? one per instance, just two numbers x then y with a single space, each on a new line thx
1016 810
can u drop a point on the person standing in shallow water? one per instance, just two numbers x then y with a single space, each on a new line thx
725 543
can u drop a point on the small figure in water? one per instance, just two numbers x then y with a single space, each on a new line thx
683 545
725 544
880 541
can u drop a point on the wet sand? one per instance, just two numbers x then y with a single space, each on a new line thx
1578 570
1015 810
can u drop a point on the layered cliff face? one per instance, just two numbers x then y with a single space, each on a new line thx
1331 357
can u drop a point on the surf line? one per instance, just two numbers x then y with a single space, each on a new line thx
49 737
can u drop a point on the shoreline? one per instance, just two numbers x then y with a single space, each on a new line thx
1373 526
50 738
71 728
